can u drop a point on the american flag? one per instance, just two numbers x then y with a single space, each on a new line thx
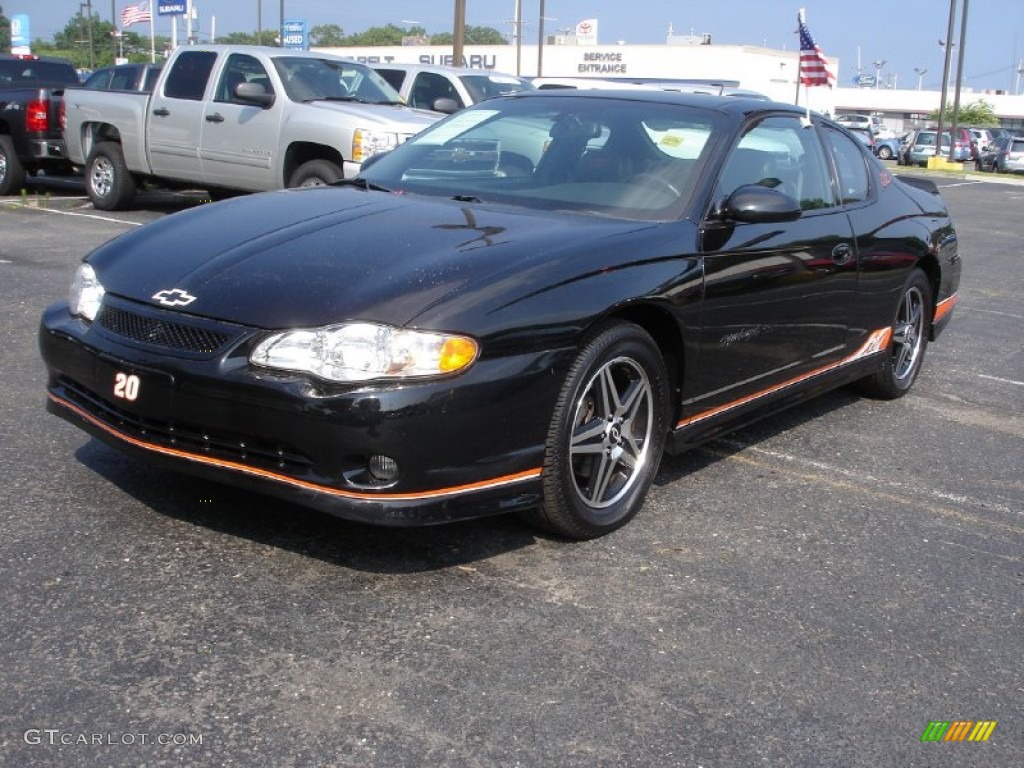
135 14
814 69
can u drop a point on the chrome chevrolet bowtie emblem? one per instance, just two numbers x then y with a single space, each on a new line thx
174 297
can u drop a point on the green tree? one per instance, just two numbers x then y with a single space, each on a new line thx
979 113
390 34
266 37
72 42
326 36
472 36
5 32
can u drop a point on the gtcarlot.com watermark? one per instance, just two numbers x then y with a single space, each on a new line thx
56 737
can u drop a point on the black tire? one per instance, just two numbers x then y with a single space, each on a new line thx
607 434
108 182
884 153
905 354
12 174
316 173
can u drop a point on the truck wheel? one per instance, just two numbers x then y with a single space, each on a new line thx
316 173
108 182
12 174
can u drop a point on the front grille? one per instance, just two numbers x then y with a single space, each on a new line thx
187 437
153 328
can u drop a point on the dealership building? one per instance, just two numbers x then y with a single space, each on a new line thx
768 71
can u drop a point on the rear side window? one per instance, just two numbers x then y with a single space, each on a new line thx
1017 145
189 75
850 163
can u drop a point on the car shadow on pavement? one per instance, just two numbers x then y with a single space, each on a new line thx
676 467
266 520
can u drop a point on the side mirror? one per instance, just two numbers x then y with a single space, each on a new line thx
754 204
446 105
254 93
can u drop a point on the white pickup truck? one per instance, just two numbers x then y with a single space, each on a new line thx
243 118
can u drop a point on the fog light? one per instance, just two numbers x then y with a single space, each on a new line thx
383 468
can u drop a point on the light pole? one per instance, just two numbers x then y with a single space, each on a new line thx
878 72
921 71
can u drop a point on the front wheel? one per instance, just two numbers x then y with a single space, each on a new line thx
607 434
316 173
910 329
12 173
108 182
884 153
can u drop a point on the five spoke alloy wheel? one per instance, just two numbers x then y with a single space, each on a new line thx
607 434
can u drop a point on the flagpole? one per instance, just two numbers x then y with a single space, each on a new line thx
152 38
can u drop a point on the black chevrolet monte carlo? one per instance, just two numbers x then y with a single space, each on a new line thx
519 309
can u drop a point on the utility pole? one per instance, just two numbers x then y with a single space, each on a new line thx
959 81
459 33
945 76
540 41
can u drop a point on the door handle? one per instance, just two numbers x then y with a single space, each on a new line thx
842 253
161 111
215 118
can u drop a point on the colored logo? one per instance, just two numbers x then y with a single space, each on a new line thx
958 730
174 297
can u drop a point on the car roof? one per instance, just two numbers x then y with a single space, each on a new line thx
735 105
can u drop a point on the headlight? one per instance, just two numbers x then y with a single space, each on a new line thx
366 143
86 293
362 351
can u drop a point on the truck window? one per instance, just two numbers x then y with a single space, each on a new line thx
189 75
428 87
241 68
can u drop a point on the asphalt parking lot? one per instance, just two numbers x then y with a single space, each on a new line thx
811 591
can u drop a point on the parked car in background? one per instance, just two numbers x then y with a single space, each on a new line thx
519 309
236 118
888 148
1004 155
124 77
864 135
31 90
982 137
920 145
871 122
965 145
448 89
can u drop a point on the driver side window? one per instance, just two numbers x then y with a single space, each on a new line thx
780 153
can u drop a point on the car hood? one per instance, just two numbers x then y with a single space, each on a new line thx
305 258
392 117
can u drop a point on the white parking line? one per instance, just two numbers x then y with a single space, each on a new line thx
992 312
22 206
1002 381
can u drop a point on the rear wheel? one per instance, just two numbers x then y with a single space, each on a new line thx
606 436
108 182
884 152
316 173
910 328
12 174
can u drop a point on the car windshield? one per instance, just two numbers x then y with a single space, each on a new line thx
614 157
308 78
484 86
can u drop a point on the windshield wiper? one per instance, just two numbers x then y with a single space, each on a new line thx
361 183
466 199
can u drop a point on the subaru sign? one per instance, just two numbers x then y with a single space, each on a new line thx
293 32
20 40
168 8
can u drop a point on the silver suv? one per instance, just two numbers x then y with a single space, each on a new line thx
448 89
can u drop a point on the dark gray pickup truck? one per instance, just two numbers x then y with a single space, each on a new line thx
30 125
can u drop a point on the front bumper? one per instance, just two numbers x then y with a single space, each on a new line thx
467 446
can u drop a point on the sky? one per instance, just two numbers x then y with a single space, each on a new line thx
904 34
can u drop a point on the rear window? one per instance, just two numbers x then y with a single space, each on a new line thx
1017 145
36 74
